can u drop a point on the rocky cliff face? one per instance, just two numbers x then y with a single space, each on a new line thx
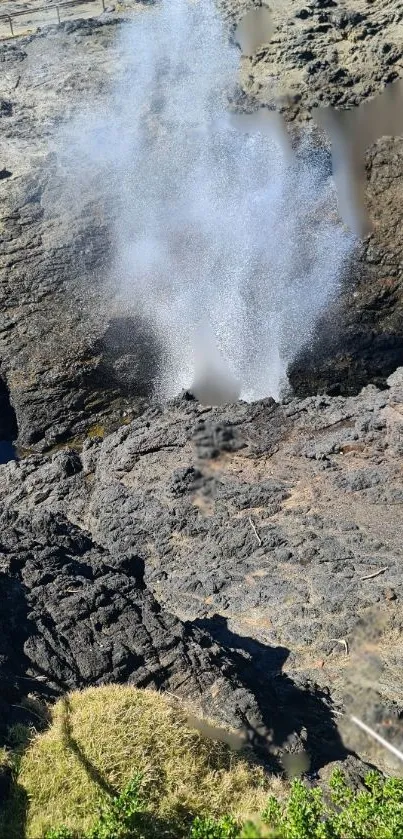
53 260
338 53
246 558
62 373
272 531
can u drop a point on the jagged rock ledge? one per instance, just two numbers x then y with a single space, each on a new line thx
272 532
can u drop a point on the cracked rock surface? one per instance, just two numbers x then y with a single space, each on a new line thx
72 616
324 52
248 558
275 529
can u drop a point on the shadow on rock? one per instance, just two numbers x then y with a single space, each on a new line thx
357 341
129 357
15 716
8 419
70 619
296 718
15 628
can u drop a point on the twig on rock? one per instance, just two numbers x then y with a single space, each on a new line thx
29 711
375 574
378 737
259 541
340 641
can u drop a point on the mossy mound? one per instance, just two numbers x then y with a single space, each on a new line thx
101 737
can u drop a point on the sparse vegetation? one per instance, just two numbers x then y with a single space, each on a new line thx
4 757
120 763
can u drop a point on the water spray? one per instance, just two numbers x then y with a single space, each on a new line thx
215 222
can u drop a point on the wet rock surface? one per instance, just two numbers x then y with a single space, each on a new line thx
54 258
58 308
359 339
342 54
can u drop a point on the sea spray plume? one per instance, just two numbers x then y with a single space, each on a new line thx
211 224
253 31
266 122
238 237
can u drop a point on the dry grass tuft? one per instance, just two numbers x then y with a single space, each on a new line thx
99 738
5 759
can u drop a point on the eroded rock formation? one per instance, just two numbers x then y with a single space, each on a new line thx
55 258
275 529
244 558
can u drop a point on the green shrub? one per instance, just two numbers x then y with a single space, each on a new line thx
60 833
376 813
208 828
126 817
122 763
121 817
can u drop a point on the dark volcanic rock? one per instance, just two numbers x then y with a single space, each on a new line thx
230 555
359 339
342 61
71 616
69 362
6 108
8 421
278 538
75 363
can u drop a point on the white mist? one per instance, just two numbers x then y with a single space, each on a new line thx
216 229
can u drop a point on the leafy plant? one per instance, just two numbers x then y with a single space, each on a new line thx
120 817
99 736
208 828
376 811
59 833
